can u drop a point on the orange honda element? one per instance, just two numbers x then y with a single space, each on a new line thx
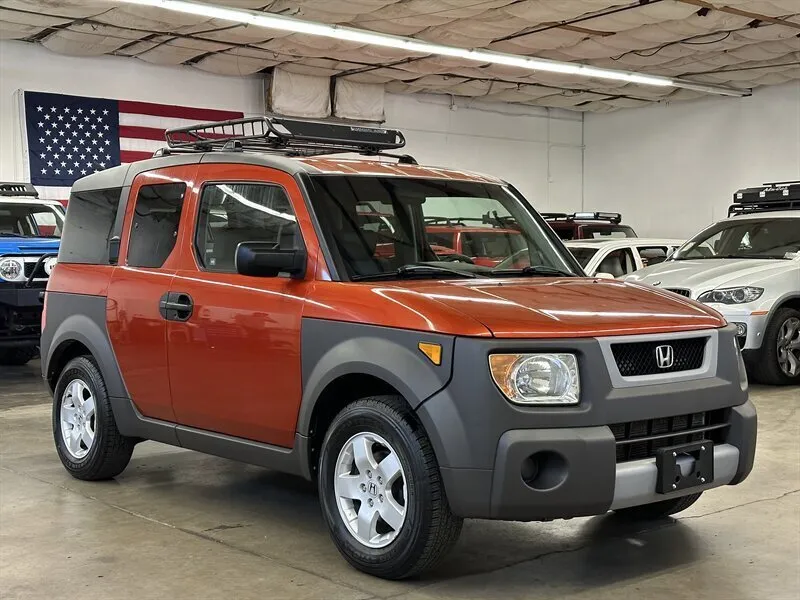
229 296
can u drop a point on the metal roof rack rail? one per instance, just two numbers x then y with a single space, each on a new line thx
8 188
293 137
768 197
554 215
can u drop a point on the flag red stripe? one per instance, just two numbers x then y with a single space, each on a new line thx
144 133
128 156
177 112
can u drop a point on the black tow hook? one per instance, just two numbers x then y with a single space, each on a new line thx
39 263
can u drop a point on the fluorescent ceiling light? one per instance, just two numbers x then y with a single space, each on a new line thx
360 36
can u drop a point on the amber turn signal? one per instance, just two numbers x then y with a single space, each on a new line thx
432 351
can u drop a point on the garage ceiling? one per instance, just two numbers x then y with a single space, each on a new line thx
737 43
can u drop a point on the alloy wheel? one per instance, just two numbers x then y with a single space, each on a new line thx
78 418
789 347
370 488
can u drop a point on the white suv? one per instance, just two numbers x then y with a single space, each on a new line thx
748 268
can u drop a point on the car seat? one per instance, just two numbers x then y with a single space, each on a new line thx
612 264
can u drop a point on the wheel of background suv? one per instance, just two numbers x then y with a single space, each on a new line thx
87 439
381 492
17 357
778 361
658 510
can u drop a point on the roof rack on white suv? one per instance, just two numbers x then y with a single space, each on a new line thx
784 195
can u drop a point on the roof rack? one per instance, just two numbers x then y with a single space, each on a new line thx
8 188
584 216
768 197
293 137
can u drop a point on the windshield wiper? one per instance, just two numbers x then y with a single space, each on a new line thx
414 270
535 270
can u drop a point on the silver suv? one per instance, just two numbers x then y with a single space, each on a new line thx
747 267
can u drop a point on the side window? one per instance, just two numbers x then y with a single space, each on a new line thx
652 255
154 230
232 213
618 263
90 221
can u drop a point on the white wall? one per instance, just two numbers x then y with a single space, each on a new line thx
672 169
539 151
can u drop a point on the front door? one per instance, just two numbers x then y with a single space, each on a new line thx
148 256
235 356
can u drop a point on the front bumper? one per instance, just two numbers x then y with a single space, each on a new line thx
756 324
486 446
580 476
20 316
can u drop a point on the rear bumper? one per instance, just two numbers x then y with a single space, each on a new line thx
578 474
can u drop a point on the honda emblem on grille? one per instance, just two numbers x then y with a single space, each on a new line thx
665 356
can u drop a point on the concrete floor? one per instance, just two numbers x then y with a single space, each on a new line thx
178 524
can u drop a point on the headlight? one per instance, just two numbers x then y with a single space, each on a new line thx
49 265
537 378
734 295
11 269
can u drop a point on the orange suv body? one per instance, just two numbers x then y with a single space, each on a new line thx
233 303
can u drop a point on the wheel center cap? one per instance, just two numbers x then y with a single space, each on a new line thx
372 488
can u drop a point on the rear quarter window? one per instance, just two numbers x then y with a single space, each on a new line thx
90 222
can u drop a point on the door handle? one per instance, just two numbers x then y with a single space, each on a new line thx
176 306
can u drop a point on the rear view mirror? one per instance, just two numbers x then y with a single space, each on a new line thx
260 259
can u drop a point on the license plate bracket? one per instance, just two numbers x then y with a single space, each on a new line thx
684 466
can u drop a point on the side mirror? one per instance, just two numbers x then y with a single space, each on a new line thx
260 259
604 276
113 250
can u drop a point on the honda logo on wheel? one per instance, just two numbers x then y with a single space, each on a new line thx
665 356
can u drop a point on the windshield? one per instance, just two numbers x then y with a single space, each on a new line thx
378 226
583 255
758 238
601 231
30 220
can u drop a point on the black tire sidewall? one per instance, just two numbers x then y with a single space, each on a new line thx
81 368
405 547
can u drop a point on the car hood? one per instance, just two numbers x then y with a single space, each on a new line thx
711 273
558 308
28 245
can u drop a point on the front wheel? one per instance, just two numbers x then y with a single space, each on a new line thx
381 492
778 361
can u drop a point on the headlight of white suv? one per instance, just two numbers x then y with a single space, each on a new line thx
11 269
539 379
734 295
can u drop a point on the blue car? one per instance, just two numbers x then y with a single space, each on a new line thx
30 231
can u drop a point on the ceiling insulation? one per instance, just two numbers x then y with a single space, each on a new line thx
736 43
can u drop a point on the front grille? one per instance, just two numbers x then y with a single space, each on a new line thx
639 358
642 439
40 272
681 291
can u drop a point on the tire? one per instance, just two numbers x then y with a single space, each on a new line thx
658 510
16 357
108 452
429 529
765 366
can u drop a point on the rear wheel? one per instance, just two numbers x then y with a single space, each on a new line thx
778 361
16 357
658 510
87 439
381 491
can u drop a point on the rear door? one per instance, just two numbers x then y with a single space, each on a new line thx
147 263
234 356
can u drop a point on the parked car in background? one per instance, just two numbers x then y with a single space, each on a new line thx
747 267
484 241
588 225
29 237
617 257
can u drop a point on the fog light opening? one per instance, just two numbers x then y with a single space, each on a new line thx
741 329
545 470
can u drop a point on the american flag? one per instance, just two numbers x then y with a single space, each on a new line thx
69 137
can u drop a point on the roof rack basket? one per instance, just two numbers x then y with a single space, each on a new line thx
768 197
294 137
8 188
